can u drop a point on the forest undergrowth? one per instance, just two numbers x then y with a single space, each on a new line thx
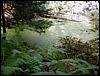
73 57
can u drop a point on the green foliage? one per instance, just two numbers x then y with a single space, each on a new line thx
49 73
20 59
52 54
84 71
41 25
73 67
7 70
28 9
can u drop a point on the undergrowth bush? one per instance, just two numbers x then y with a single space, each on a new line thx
19 59
74 47
95 20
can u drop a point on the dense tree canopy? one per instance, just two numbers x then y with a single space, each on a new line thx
28 9
16 12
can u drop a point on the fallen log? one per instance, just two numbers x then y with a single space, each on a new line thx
55 17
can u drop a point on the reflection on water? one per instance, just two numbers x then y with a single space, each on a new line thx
59 29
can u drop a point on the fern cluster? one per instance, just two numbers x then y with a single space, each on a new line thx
19 59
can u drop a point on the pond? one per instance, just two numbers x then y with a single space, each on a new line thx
60 28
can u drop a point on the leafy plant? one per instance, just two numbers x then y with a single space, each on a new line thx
19 59
7 70
52 54
40 25
75 48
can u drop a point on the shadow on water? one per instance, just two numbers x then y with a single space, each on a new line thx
59 29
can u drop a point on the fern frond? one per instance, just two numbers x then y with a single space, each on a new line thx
91 67
7 70
82 61
15 62
69 60
15 59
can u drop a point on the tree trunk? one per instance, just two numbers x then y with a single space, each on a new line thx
3 19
